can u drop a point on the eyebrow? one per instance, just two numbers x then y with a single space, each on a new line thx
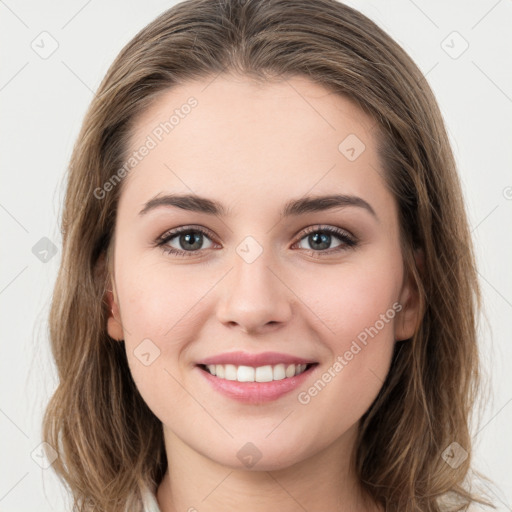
294 207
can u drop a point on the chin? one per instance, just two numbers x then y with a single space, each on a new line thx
260 454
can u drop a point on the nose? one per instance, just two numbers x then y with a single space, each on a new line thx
254 297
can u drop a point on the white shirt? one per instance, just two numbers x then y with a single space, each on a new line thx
149 501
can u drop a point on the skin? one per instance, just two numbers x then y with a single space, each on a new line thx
253 147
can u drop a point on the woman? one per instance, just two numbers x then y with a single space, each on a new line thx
268 295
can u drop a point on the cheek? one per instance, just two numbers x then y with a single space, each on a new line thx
157 303
358 307
351 299
161 315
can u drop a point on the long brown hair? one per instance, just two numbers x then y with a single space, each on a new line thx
110 444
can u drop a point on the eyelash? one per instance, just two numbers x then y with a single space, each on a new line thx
347 240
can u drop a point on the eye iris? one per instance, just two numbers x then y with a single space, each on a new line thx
191 240
323 239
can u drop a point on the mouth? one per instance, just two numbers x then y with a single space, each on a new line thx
261 374
256 385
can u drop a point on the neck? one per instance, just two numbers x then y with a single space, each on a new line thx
324 481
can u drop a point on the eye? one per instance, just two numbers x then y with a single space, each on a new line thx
184 241
190 240
320 239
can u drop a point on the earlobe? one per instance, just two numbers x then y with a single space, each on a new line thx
407 320
114 325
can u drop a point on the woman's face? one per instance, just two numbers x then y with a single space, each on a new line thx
267 277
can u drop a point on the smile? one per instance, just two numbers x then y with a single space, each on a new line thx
267 373
256 385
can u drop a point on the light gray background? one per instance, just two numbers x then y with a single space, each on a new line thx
43 103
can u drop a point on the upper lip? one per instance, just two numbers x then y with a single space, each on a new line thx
247 359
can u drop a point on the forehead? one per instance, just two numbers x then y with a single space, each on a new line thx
253 108
232 134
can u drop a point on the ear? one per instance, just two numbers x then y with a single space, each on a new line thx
407 320
114 325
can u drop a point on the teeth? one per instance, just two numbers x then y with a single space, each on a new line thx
230 372
279 372
266 373
291 370
245 374
300 368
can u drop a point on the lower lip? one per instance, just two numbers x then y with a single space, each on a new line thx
256 392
